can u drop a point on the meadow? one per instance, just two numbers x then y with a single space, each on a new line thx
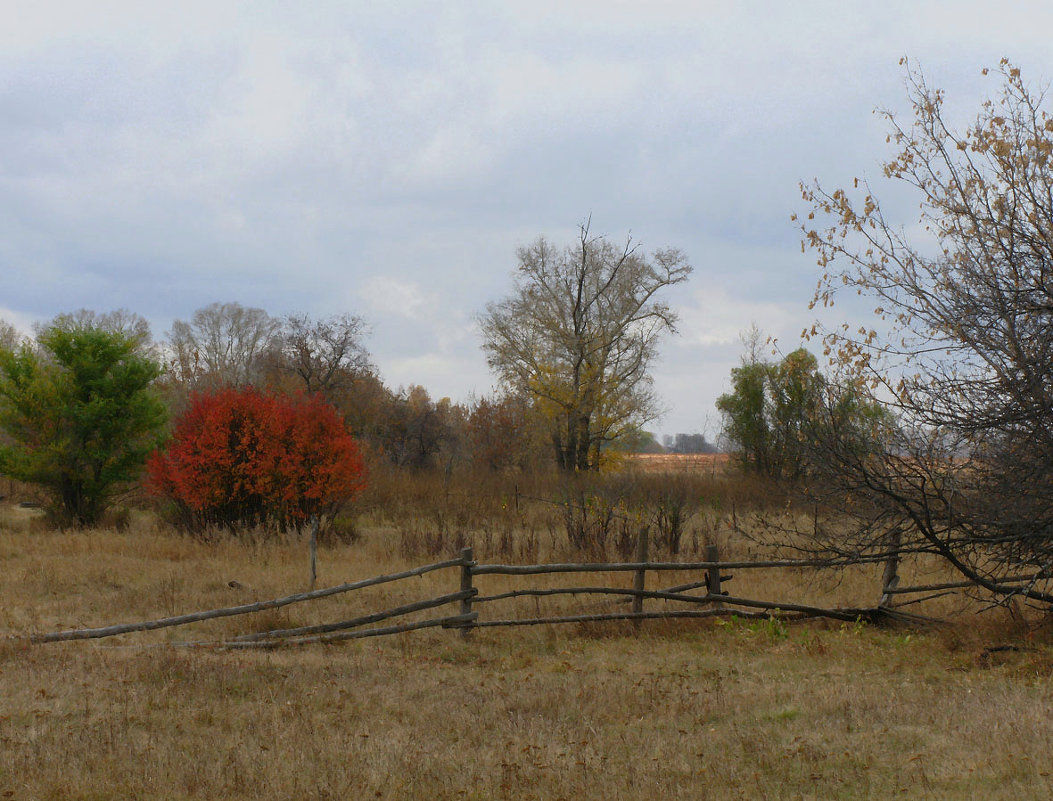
714 709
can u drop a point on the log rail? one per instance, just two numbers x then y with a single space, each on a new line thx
712 601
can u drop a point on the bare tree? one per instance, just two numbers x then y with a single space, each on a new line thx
327 354
415 428
962 351
128 324
223 344
9 336
578 335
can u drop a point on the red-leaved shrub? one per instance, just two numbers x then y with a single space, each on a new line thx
242 458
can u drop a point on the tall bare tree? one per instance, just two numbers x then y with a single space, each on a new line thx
223 344
9 336
326 354
962 350
578 335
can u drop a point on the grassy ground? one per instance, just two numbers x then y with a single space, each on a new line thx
678 710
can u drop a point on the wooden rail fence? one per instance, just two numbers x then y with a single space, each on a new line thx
713 601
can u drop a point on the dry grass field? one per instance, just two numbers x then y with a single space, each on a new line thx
680 462
699 710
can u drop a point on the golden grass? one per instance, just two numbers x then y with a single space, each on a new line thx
678 710
713 463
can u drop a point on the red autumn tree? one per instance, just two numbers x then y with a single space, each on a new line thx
242 458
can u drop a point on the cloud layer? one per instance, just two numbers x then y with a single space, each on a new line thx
387 159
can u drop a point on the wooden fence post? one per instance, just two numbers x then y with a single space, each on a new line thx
638 580
713 574
468 555
314 550
890 575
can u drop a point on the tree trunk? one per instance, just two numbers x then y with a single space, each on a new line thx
581 458
570 447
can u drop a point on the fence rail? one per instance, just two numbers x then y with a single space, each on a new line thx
715 600
243 609
616 567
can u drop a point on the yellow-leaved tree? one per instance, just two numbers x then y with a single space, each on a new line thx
578 335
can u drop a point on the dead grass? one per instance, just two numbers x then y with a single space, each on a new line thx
681 710
713 463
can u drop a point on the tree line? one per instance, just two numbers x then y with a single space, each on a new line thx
83 402
86 400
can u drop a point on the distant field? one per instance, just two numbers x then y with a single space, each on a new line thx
672 462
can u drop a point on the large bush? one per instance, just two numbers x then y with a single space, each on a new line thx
767 415
242 458
80 416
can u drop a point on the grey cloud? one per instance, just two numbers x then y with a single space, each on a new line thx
162 158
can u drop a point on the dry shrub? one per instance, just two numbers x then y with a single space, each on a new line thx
429 540
596 515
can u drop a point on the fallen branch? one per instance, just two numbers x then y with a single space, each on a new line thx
959 585
922 599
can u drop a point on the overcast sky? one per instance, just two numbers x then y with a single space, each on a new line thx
387 158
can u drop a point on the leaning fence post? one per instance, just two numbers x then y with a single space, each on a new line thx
713 574
468 559
638 580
